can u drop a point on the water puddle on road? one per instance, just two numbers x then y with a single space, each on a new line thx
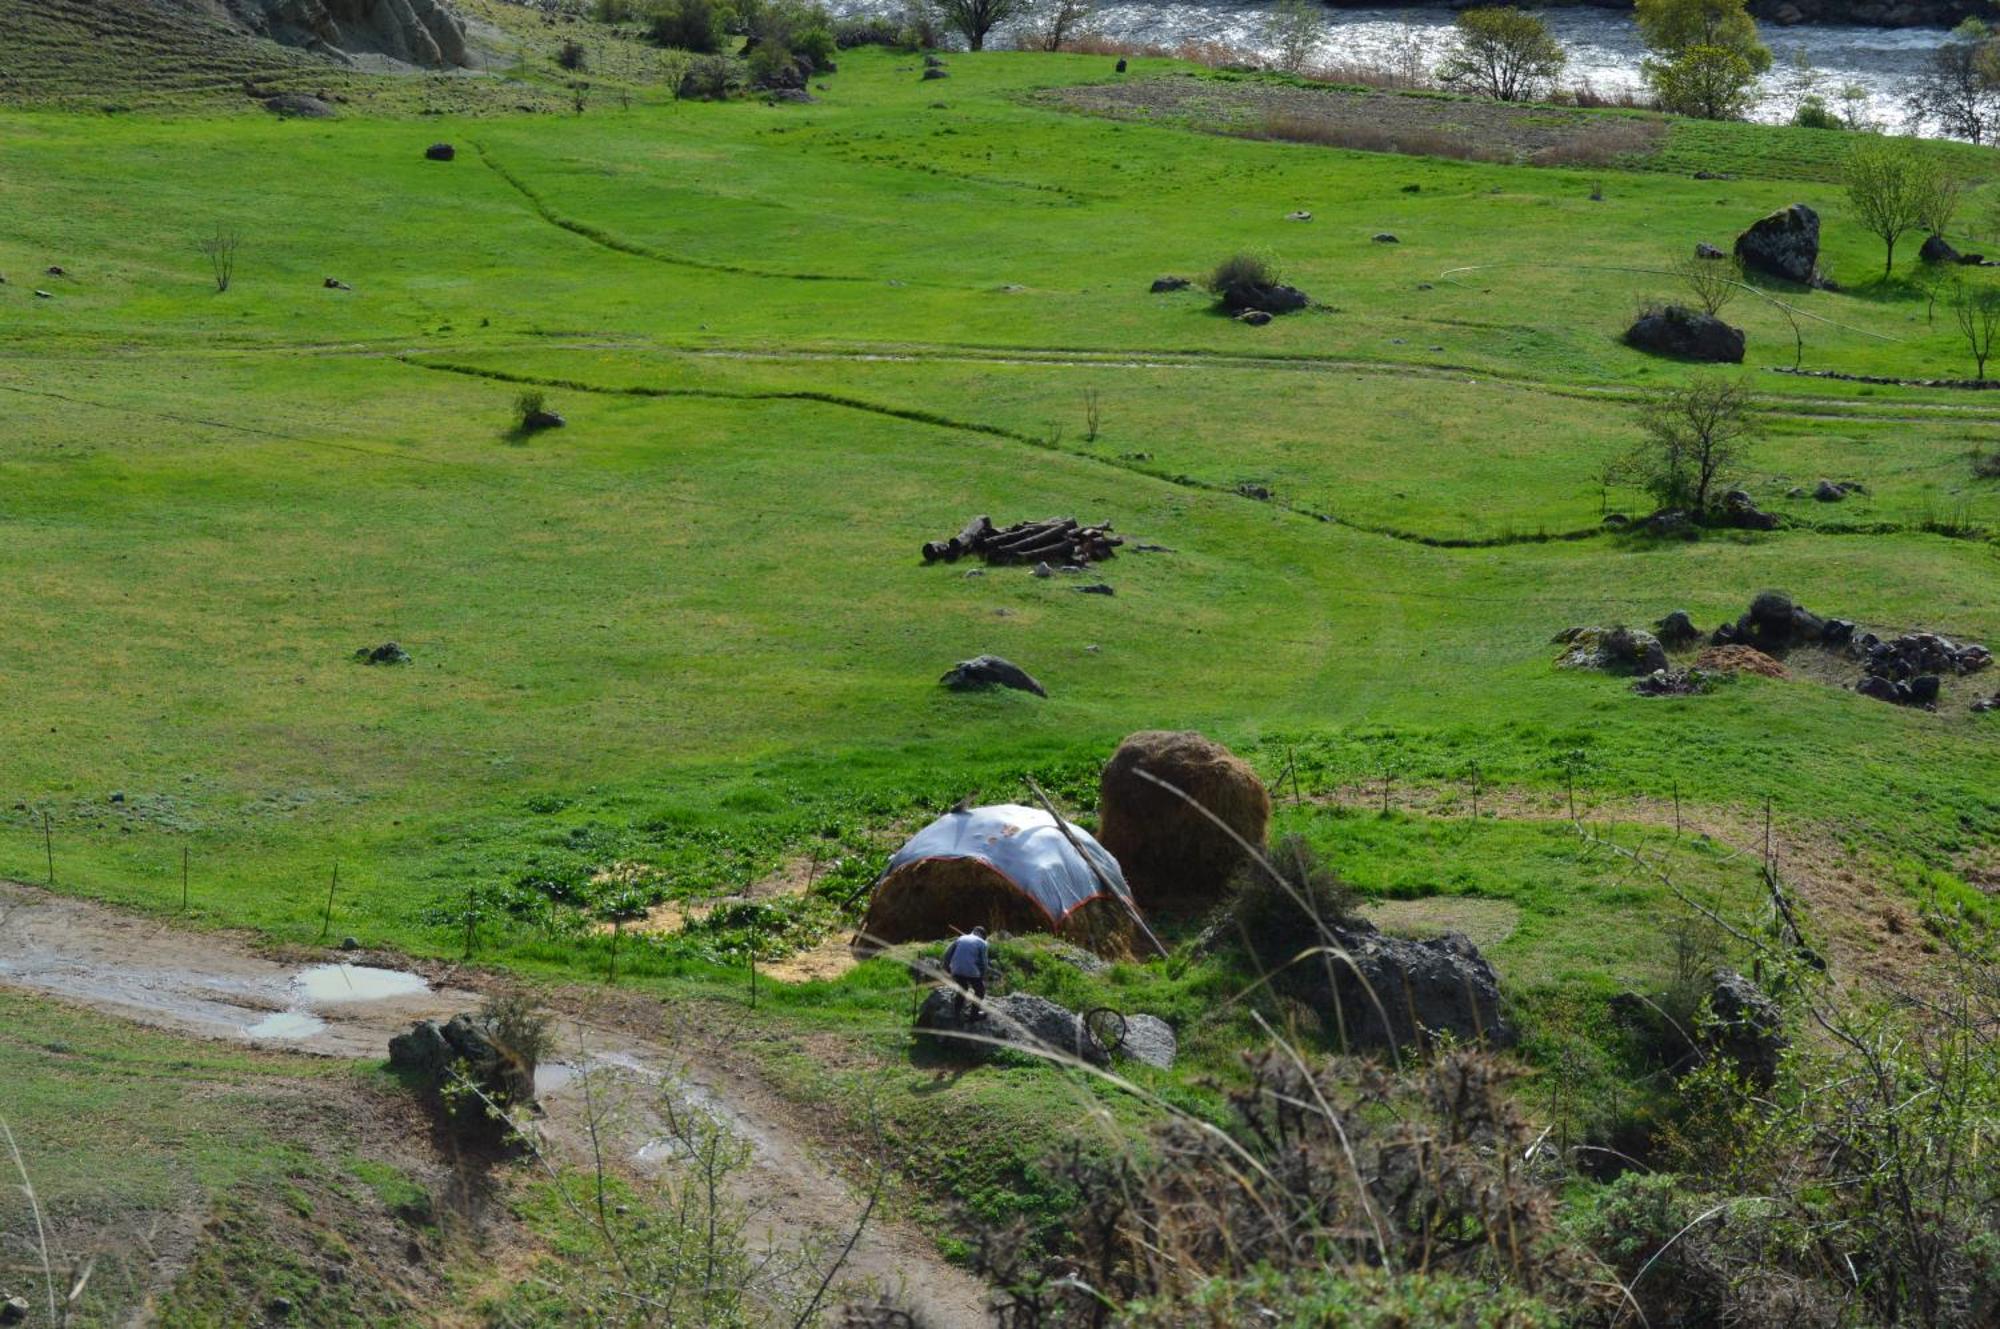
326 983
286 1024
332 985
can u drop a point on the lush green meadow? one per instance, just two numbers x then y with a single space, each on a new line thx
691 630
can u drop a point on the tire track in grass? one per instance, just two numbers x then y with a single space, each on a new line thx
618 244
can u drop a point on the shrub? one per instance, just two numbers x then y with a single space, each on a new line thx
573 57
616 11
1502 53
709 78
1277 912
1241 275
687 25
875 31
1813 113
531 402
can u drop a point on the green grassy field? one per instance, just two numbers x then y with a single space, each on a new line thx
691 631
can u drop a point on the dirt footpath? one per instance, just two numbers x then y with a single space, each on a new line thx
223 986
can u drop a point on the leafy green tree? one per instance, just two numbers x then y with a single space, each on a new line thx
1706 55
1293 30
687 25
1893 188
1502 53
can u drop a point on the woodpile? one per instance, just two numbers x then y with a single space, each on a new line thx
1056 541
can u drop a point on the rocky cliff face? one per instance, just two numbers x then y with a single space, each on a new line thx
417 32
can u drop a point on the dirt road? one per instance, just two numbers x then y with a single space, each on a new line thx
222 986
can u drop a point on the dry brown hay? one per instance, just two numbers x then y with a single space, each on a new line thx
828 960
1174 858
1740 660
934 898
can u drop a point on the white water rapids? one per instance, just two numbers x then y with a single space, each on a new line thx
1603 45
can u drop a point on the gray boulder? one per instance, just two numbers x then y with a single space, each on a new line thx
1276 298
440 152
990 671
1019 1019
1686 334
465 1044
1706 250
1826 491
1784 244
1394 992
14 1310
1748 1028
1150 1041
1163 285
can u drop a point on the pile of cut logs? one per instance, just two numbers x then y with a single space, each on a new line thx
1056 541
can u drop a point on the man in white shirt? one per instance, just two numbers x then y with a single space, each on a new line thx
967 960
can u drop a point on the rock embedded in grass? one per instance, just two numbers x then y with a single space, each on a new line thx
1685 334
989 671
440 152
1162 285
388 653
1619 648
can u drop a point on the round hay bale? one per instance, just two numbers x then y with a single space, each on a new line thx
1740 660
1174 858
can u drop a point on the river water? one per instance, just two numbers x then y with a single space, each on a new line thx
1603 45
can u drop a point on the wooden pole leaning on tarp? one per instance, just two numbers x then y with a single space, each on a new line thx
1103 882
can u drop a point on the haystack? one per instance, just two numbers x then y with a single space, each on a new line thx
1006 868
1174 857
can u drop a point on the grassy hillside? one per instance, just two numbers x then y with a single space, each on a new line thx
690 631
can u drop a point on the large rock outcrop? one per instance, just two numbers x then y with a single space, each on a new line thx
1394 992
1784 244
1019 1019
416 32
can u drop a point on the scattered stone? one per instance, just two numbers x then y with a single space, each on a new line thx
1676 629
1796 491
1300 215
118 796
1256 318
1162 285
1095 588
1623 649
297 105
280 1308
1150 1041
440 152
1687 334
1748 1028
1019 1019
1784 244
1424 286
1042 570
335 284
1384 238
1985 704
933 62
1673 683
536 421
1706 250
43 295
987 671
1826 491
1917 653
793 96
14 1310
1739 510
388 653
350 943
1120 68
56 270
1773 624
934 72
1250 489
1739 660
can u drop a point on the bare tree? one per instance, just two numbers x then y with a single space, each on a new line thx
1695 438
220 251
1957 89
1977 312
973 19
1061 21
1092 415
1712 282
1293 30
